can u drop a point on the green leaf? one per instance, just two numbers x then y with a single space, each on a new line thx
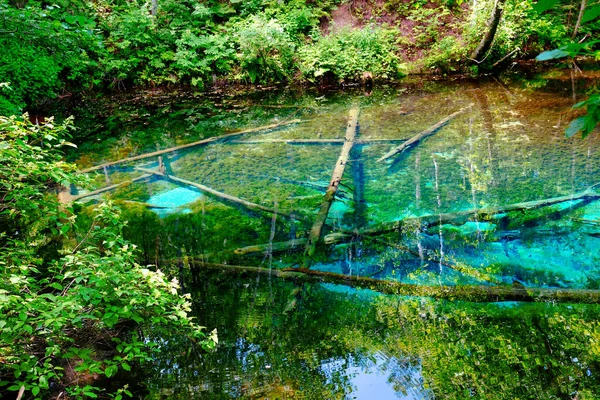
575 126
126 366
544 5
111 370
552 54
35 390
591 14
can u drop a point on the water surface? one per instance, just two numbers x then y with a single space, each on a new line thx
284 340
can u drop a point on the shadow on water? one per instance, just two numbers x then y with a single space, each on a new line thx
497 196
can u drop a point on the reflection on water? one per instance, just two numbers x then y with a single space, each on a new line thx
281 340
497 195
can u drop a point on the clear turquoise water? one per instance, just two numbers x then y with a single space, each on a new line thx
174 200
336 342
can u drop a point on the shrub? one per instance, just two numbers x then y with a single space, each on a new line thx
43 50
265 49
65 295
447 55
347 54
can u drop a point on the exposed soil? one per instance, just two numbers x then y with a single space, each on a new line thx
355 14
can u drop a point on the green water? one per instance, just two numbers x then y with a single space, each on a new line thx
278 340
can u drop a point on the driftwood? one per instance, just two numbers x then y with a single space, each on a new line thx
420 136
460 217
109 188
219 195
464 293
316 141
193 144
336 177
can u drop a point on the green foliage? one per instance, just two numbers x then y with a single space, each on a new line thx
447 55
347 54
589 121
178 45
265 49
44 50
87 303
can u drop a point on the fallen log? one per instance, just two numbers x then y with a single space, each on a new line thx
336 177
146 205
460 217
275 247
292 245
193 144
220 195
109 188
420 136
315 141
425 221
471 293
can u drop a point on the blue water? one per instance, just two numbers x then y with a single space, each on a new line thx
175 200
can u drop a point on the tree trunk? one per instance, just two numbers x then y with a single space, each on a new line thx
488 38
460 217
316 141
220 195
578 24
109 188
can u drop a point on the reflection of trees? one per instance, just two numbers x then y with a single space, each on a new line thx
496 351
454 349
264 353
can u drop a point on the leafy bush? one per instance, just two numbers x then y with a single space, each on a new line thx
265 50
178 45
43 50
67 296
446 55
347 54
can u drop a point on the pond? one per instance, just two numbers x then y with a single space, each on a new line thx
493 196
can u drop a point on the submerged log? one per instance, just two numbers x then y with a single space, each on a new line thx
460 217
109 188
146 205
316 141
193 144
481 293
420 136
219 195
275 247
292 245
336 177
